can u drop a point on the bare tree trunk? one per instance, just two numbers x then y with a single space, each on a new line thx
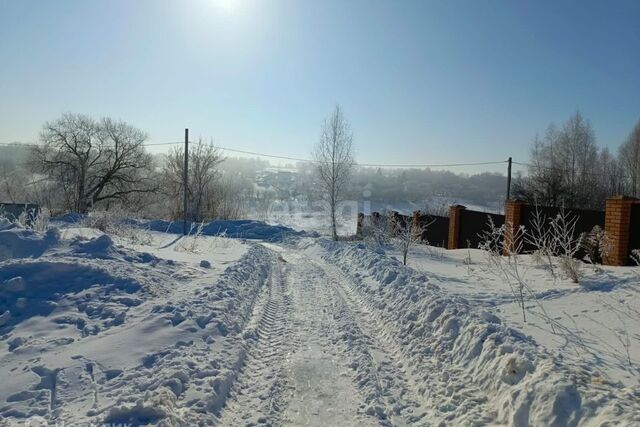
334 157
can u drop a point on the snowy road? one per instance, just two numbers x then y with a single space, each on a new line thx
297 369
346 337
319 356
305 332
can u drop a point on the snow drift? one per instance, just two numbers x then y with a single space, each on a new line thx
462 355
24 243
91 331
245 229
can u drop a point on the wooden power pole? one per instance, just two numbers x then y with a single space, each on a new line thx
509 179
185 180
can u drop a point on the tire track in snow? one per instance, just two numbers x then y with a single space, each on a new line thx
256 396
323 389
394 397
428 394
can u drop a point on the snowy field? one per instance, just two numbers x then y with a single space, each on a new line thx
277 327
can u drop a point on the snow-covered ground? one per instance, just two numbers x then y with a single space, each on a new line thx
290 329
596 322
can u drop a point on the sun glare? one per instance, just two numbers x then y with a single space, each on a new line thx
226 5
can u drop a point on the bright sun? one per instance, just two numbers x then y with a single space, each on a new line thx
227 5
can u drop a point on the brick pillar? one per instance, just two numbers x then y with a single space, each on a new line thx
617 226
359 224
455 212
415 218
512 222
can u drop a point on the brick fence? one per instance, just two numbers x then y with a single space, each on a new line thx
620 220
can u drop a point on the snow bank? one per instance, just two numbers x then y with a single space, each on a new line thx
95 333
16 242
104 247
199 369
34 288
245 229
462 355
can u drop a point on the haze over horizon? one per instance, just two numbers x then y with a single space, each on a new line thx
420 82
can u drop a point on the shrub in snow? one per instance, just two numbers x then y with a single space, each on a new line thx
540 237
116 222
596 245
40 222
503 259
5 223
567 244
205 264
376 230
504 262
404 238
28 218
190 242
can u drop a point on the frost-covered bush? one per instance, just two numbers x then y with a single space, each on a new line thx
567 244
377 230
37 220
115 222
540 237
190 242
503 259
404 238
596 245
40 221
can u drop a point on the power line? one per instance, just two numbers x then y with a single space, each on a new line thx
432 165
602 175
234 150
253 153
298 159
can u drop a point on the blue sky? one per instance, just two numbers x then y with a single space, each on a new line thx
420 81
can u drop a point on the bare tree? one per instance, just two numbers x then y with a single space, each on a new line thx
565 168
630 160
334 157
234 192
407 236
93 161
204 177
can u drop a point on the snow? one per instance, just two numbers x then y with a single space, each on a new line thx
590 320
90 317
314 222
245 229
146 326
445 336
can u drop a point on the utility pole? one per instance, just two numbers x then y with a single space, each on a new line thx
509 179
185 179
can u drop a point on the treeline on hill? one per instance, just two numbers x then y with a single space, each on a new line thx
83 164
566 167
418 185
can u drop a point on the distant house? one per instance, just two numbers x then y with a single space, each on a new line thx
12 211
